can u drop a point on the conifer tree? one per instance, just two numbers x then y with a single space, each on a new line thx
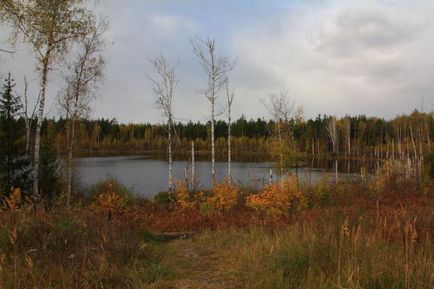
13 163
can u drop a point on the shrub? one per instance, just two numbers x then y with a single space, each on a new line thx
109 202
182 196
224 197
278 199
321 191
389 175
113 185
163 199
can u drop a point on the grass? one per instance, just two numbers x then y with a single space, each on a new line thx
346 237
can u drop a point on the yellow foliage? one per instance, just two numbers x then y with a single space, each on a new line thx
182 196
224 196
278 199
14 199
109 202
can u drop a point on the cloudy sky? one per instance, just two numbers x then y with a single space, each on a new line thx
335 57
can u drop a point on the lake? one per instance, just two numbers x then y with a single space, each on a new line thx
147 176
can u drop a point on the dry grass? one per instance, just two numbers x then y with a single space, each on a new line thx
345 237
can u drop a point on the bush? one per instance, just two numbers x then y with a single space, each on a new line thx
224 197
278 199
114 185
109 202
163 199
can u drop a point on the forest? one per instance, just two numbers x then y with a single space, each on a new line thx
358 136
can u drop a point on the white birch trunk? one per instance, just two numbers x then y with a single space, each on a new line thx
213 172
193 168
40 116
169 144
279 131
71 138
229 145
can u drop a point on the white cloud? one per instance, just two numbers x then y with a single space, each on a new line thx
339 59
172 23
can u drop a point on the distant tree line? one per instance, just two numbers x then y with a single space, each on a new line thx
357 136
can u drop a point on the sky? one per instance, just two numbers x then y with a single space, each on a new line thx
334 57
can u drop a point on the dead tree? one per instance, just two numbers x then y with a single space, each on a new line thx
163 87
229 100
28 118
347 128
282 110
333 134
216 68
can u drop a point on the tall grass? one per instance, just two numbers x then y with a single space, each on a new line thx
74 250
348 235
330 252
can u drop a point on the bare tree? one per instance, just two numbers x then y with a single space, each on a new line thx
49 27
6 51
229 100
282 110
28 118
347 128
163 87
216 68
333 134
82 76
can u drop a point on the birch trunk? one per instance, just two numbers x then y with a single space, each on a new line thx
71 138
169 139
229 146
40 116
230 98
428 139
193 172
213 174
279 131
413 143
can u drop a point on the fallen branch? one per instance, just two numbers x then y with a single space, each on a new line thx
168 236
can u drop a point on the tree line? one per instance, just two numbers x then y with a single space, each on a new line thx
357 136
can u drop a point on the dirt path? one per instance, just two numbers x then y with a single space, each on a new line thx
195 267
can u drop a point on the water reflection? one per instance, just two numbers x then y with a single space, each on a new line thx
147 176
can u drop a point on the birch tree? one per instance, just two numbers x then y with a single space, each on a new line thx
216 67
282 110
163 86
333 134
49 27
83 74
347 129
229 100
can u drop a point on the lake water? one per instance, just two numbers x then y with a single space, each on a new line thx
148 176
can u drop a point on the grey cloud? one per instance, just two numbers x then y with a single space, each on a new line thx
354 30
